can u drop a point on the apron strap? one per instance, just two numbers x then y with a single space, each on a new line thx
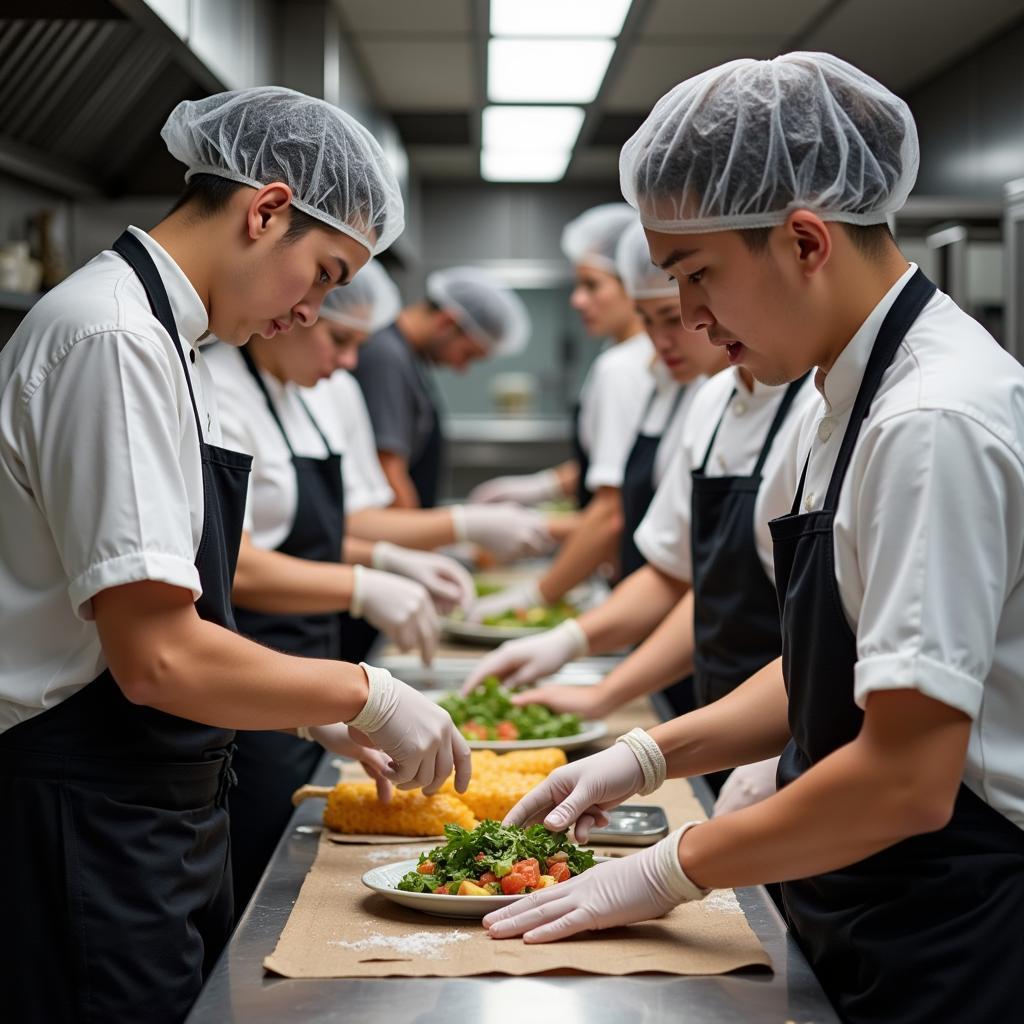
714 434
780 416
134 253
795 508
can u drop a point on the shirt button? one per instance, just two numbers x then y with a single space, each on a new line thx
739 408
809 501
192 354
825 428
721 462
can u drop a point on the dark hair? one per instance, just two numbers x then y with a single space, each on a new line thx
209 194
870 239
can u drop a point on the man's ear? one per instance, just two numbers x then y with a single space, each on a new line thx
807 240
445 325
269 211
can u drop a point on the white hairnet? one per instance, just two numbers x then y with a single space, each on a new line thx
487 311
742 145
640 277
335 168
592 236
367 303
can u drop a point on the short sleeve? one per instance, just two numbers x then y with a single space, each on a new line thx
106 431
389 392
663 537
937 529
365 483
613 406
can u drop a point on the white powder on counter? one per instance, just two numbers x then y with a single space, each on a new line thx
395 853
722 901
425 944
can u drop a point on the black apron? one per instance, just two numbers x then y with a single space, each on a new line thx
735 608
115 848
929 929
579 453
425 469
272 765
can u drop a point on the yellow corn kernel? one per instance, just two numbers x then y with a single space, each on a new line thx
493 796
542 762
353 807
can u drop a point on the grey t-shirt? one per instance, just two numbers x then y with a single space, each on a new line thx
394 380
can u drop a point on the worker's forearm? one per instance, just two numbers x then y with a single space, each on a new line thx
275 583
357 551
632 610
422 528
568 474
594 541
396 471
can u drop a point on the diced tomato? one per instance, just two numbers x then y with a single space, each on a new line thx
520 614
426 868
488 876
442 890
556 857
559 871
479 857
474 730
513 884
507 731
529 869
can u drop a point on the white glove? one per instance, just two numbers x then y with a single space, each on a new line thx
448 583
523 661
520 595
508 531
636 888
581 792
398 607
419 736
337 740
527 489
748 784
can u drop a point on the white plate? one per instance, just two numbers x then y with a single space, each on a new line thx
487 636
384 879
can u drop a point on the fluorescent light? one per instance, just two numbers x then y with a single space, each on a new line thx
499 165
528 129
545 70
602 18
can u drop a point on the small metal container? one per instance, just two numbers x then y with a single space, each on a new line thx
631 825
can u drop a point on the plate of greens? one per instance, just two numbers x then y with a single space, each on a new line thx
489 720
512 624
480 870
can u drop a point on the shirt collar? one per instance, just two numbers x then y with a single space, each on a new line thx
190 314
840 385
759 393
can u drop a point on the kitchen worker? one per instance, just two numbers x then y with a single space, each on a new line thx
291 580
466 316
897 827
606 421
122 679
650 590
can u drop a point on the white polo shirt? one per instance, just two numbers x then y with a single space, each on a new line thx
929 528
664 419
100 474
612 402
247 424
664 535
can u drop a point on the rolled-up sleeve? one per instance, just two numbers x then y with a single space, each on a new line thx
613 408
110 480
389 391
663 537
935 565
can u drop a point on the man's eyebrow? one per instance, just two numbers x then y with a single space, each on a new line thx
675 256
342 272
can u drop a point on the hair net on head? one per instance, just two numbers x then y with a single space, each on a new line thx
335 168
640 277
367 303
591 238
487 311
744 144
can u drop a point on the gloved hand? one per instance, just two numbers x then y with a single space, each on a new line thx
589 702
748 784
508 531
520 595
581 792
523 661
418 736
449 584
337 740
642 886
526 489
398 607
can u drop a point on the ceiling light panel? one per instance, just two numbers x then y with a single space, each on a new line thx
546 71
579 18
505 166
526 129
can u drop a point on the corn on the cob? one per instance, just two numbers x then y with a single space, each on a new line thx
353 807
531 762
494 795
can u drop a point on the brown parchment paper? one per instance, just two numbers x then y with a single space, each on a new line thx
340 929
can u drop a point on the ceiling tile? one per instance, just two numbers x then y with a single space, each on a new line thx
404 17
689 18
434 129
445 162
423 75
595 163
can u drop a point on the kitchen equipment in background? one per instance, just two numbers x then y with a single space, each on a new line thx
46 250
514 393
19 272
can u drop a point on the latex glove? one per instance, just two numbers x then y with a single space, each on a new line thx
748 784
400 608
419 736
508 531
526 489
337 740
523 661
520 595
581 792
642 886
449 584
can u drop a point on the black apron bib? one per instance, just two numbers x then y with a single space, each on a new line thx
116 830
272 765
929 929
579 453
735 608
425 470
